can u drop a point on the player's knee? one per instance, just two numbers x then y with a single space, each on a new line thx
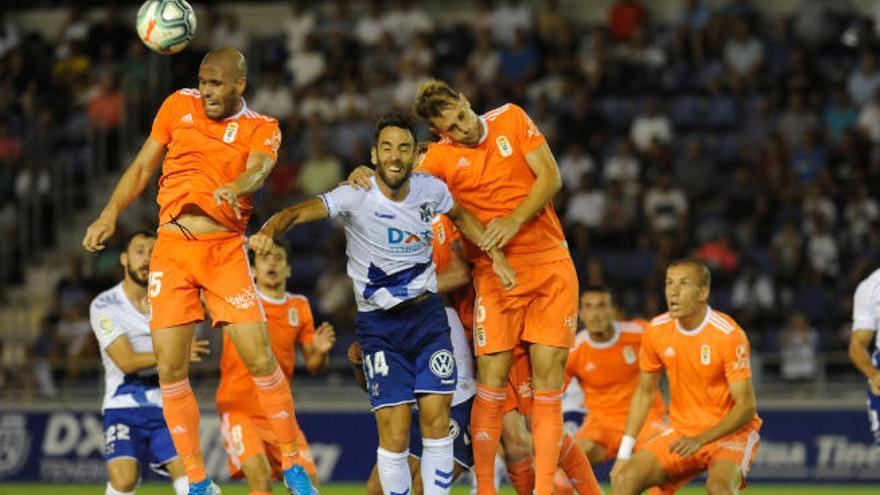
261 365
625 482
172 371
124 482
718 486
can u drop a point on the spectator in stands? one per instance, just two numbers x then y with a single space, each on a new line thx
809 157
818 22
796 121
228 32
869 119
484 61
823 253
519 59
743 56
586 206
693 17
405 21
621 214
753 297
508 17
298 25
864 80
10 146
573 165
273 98
666 207
369 26
798 344
817 205
320 171
46 350
623 166
840 115
695 171
860 213
624 18
649 126
308 64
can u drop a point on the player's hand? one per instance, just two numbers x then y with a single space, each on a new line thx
686 446
229 194
499 232
359 178
99 231
874 383
197 349
325 338
355 354
618 465
261 243
504 271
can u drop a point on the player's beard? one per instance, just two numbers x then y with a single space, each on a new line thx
398 183
135 276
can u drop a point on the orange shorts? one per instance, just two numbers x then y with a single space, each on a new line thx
215 266
519 383
740 447
541 309
598 429
246 436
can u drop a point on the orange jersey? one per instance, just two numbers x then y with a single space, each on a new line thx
204 154
289 323
700 365
445 234
492 178
608 373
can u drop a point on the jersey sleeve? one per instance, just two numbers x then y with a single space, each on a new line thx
444 197
161 132
306 334
266 139
342 200
529 136
107 328
864 308
432 164
736 357
649 359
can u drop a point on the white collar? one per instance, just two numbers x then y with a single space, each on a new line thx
608 343
485 127
244 108
268 298
699 327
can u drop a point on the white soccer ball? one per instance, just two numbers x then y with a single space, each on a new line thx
166 26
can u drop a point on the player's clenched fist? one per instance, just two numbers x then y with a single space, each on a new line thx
325 338
229 194
261 244
99 231
355 354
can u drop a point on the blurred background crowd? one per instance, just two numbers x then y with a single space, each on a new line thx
748 139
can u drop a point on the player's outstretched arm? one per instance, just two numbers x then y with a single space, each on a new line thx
470 227
305 212
457 274
129 361
859 344
744 410
129 187
316 352
257 169
639 406
548 182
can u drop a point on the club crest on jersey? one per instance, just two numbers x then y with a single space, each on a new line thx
426 212
293 317
504 145
705 355
105 325
231 131
629 354
480 336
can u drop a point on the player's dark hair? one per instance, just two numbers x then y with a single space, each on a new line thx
398 120
434 96
281 242
150 234
705 275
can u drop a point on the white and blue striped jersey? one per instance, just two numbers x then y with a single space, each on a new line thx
866 306
112 315
388 243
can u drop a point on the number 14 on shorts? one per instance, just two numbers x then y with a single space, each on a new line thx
375 364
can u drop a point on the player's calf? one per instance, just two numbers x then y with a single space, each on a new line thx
724 478
258 474
124 475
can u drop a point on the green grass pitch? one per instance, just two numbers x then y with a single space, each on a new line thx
354 489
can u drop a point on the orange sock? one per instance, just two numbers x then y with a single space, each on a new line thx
522 475
547 434
486 418
181 413
562 485
577 467
277 403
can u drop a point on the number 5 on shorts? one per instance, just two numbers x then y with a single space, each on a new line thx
155 283
376 364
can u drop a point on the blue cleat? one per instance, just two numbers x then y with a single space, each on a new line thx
297 481
204 487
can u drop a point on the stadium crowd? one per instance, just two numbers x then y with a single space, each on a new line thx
751 142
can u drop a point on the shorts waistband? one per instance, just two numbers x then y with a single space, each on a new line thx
409 303
175 233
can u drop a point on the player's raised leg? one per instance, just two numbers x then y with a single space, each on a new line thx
488 413
548 364
637 474
258 474
724 478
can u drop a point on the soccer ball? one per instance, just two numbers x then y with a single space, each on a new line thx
166 26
